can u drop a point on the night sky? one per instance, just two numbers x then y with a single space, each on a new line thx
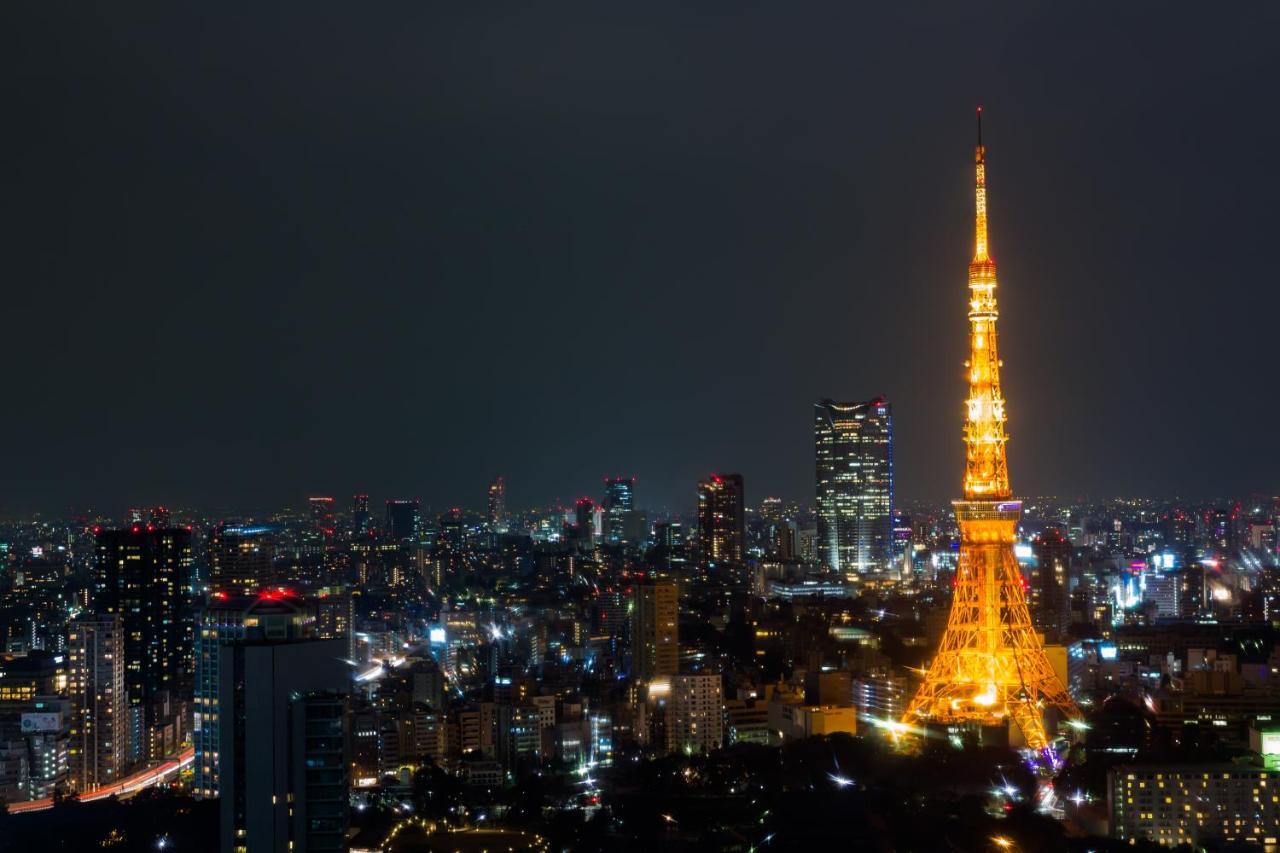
251 254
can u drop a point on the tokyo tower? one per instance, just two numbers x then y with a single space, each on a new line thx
991 668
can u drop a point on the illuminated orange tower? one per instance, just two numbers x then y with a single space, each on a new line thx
991 667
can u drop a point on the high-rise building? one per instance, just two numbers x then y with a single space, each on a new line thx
635 528
655 630
584 528
99 705
404 520
695 714
722 519
335 615
229 619
1049 588
322 518
241 557
361 519
497 514
140 573
991 668
319 772
1163 596
853 444
669 535
452 530
220 623
283 751
619 499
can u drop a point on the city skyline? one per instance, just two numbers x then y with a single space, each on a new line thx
300 258
361 670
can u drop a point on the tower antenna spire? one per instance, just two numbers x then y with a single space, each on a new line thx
991 668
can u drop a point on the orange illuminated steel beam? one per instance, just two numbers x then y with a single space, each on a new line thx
991 668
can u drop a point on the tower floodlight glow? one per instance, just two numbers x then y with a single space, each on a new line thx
991 667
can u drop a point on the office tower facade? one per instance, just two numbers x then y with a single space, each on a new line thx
1163 596
722 519
361 519
241 558
335 615
497 504
404 520
584 524
655 630
695 714
853 446
619 500
635 528
220 623
321 509
319 772
1049 587
282 748
99 701
140 572
669 535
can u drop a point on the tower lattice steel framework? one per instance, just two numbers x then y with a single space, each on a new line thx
991 667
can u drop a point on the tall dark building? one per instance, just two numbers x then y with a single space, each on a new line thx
619 499
853 445
139 575
241 557
452 530
283 759
319 771
361 519
404 520
1049 589
584 530
229 619
497 515
722 519
322 514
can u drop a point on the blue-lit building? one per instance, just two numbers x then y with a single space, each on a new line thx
619 500
220 623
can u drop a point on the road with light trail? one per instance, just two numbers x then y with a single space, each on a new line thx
125 788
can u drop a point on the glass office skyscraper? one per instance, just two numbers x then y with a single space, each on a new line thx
853 444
